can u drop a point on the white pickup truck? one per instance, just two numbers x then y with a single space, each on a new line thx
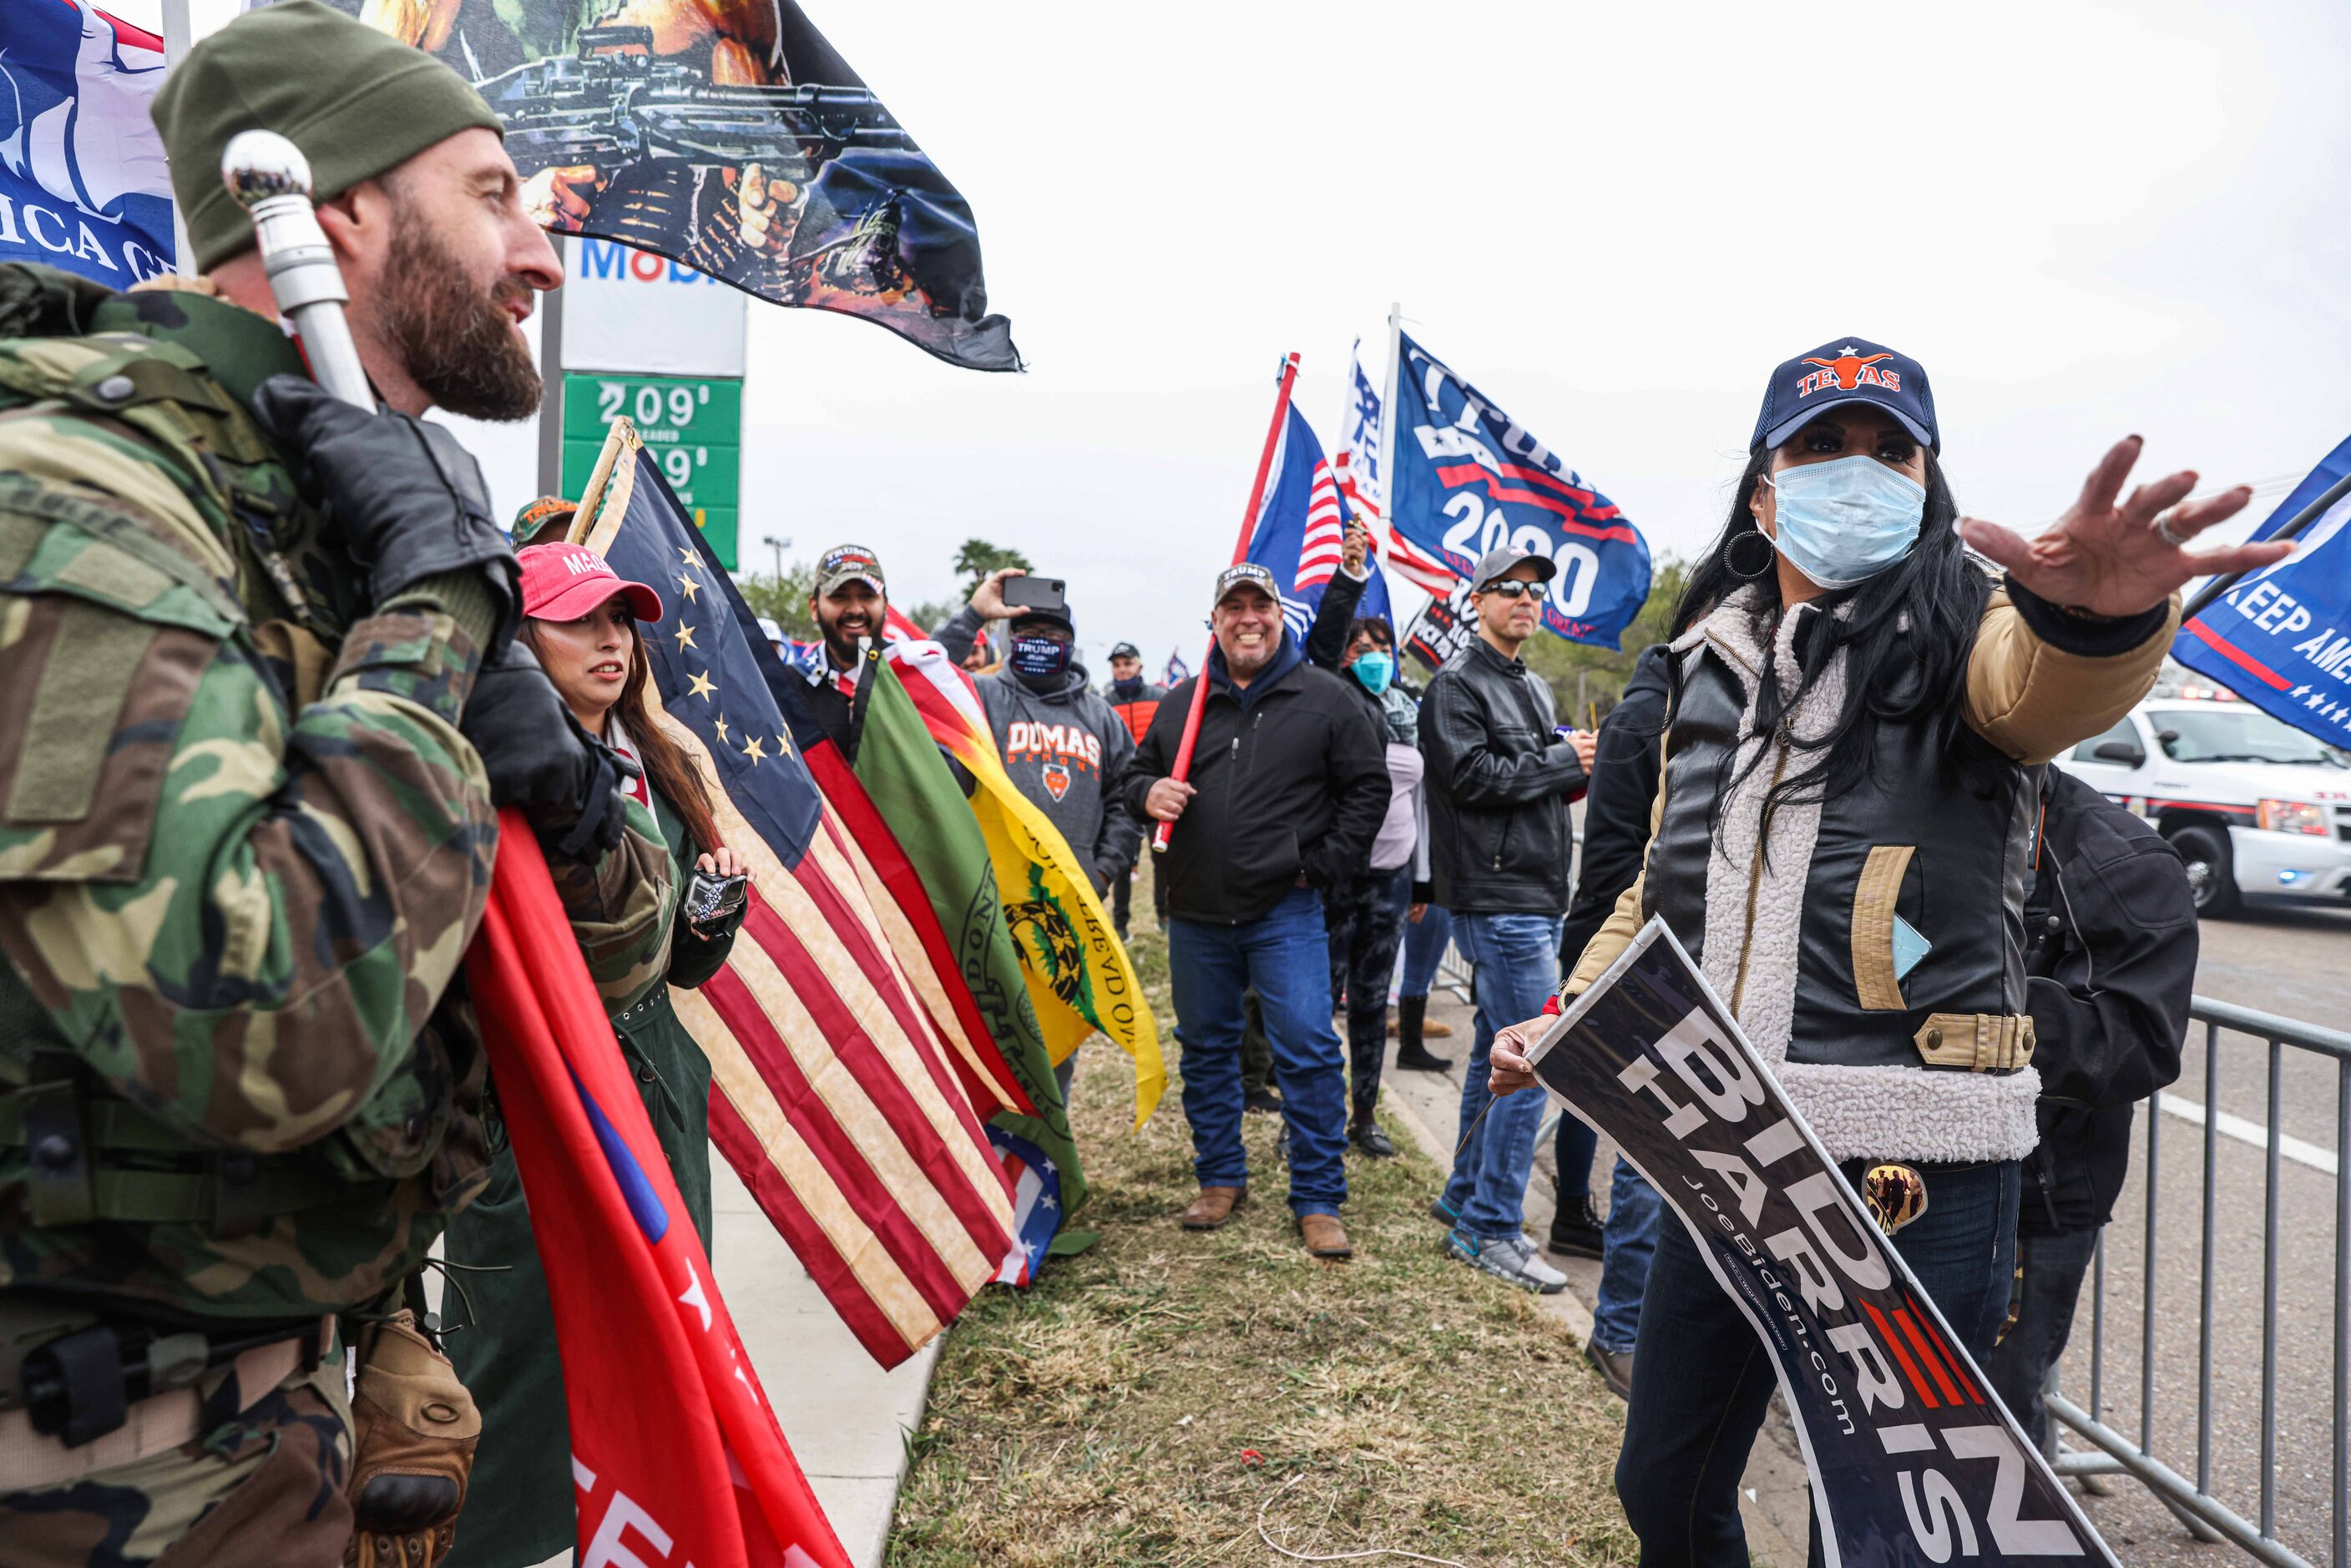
2253 805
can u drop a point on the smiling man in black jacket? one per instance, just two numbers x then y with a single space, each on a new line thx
1500 774
1288 786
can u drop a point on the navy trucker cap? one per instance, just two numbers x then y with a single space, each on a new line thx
1843 371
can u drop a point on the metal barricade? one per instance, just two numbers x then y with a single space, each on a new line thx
2193 1500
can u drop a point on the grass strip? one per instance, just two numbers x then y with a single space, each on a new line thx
1141 1402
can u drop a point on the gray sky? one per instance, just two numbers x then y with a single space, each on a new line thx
2085 221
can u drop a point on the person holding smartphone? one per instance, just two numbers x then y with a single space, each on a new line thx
581 620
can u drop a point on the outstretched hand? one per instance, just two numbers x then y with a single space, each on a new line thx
2116 559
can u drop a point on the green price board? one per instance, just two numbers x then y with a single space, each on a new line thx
692 426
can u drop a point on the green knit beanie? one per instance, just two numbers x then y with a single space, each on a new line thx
356 101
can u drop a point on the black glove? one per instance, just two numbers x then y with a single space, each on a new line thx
569 784
410 501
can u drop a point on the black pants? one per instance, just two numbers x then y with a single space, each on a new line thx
2052 1267
1121 900
1703 1380
1362 916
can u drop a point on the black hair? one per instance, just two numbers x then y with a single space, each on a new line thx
1907 632
1374 626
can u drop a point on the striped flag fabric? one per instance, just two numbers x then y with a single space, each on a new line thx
1038 1210
1357 463
832 1095
672 1439
1302 527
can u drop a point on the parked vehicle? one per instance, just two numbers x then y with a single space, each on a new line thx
2253 805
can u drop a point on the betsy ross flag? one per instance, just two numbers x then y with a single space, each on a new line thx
1302 524
832 1094
674 1443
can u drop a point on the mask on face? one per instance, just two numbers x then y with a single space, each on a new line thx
1846 521
1039 658
1376 668
1129 688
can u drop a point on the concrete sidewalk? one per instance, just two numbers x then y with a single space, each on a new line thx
846 1419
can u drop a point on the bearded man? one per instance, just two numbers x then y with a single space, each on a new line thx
261 705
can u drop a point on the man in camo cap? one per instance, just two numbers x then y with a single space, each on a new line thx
261 704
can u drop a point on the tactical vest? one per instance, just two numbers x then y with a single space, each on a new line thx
1943 848
73 1151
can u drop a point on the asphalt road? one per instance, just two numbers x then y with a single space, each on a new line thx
2281 958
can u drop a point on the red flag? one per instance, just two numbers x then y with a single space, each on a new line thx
674 1450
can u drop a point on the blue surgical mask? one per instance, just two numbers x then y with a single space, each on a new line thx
1376 668
1039 658
1845 521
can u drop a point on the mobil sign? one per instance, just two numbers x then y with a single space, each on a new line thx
631 311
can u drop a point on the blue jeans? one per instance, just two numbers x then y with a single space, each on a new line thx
1702 1379
1286 955
1626 1244
1515 961
1424 946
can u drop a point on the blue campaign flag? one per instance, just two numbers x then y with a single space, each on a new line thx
1302 526
1177 672
83 184
1467 478
2281 638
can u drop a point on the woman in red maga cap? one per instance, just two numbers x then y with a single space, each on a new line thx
580 620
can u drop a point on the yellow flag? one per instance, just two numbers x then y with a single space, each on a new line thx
1080 978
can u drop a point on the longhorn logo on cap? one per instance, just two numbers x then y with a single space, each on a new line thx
1847 371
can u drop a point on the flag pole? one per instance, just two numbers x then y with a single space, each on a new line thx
2301 520
1182 767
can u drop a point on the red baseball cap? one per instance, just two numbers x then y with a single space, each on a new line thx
564 582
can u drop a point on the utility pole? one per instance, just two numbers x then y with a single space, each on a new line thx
551 380
779 545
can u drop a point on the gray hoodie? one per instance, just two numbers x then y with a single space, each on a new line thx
1066 750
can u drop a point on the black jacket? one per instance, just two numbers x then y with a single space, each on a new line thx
2110 964
1616 808
1292 779
1498 782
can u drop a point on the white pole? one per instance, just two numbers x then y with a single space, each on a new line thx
179 37
550 377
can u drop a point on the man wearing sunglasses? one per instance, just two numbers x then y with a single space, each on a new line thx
1500 775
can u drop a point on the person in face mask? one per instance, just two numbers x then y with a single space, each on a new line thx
1061 742
1859 711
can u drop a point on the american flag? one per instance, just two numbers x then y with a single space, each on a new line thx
1357 465
832 1094
1302 527
1037 1205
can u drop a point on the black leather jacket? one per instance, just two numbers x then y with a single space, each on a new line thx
1499 783
2109 964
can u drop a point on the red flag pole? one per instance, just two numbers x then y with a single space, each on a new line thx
1182 767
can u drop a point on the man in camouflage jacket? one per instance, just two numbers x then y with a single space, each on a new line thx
260 700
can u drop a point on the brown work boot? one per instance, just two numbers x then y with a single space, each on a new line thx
1212 1207
1325 1237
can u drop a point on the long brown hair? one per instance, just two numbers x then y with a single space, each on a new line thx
666 769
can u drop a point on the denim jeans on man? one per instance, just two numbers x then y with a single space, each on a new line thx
1702 1379
1515 961
1424 946
1627 1243
1286 955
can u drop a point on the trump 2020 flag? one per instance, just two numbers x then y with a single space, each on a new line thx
2281 638
1302 524
82 181
733 138
676 1453
1464 478
832 1093
1912 1457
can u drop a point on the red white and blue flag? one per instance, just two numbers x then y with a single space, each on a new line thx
833 1094
83 184
676 1453
1036 1204
1464 478
1302 527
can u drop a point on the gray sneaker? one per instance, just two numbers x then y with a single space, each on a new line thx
1511 1257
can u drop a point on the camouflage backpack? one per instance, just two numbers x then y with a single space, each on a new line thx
116 611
